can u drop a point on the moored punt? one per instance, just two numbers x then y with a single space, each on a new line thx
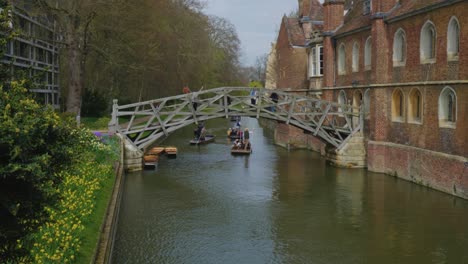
150 161
171 151
156 151
208 139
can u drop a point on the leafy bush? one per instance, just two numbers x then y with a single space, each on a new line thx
38 152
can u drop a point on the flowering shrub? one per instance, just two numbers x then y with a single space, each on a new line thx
50 175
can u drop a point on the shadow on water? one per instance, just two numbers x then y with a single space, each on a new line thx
279 206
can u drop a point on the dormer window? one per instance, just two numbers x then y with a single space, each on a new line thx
367 6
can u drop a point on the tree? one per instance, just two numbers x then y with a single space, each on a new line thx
73 19
260 68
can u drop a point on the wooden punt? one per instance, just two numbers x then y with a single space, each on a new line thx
156 151
171 151
150 161
241 151
208 139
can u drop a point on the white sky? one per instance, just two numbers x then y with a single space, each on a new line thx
256 21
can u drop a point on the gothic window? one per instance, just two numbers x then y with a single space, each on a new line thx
453 38
447 107
415 108
399 48
398 105
355 57
368 53
341 60
428 42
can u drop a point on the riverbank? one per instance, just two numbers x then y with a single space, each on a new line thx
73 228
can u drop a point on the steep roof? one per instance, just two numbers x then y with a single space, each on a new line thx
354 19
408 6
316 10
295 34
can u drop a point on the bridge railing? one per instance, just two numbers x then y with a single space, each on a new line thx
145 122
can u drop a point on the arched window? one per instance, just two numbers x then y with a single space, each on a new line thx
399 48
367 103
355 57
415 104
341 59
428 42
398 105
453 38
368 53
447 107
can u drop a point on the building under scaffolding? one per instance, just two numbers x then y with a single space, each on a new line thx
33 53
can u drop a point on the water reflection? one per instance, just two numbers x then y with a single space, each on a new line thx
279 206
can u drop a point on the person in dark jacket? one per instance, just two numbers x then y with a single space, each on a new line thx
246 138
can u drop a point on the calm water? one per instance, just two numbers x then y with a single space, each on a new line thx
280 206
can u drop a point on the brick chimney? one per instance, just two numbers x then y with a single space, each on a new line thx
333 11
304 8
333 16
382 6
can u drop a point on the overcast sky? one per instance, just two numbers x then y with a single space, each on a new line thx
256 21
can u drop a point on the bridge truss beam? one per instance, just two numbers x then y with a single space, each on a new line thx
144 123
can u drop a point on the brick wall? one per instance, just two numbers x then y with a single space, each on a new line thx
436 170
292 63
362 76
442 69
293 137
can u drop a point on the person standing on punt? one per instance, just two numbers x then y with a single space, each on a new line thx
246 138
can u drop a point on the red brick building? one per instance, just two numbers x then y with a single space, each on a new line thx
300 42
406 62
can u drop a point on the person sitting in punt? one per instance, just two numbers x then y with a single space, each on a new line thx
237 144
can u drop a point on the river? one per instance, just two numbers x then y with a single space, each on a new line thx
280 206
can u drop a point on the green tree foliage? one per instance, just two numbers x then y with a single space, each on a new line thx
135 51
142 50
35 144
154 48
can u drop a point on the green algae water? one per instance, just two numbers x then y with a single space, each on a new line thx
280 206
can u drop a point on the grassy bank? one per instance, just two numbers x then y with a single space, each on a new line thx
96 123
71 233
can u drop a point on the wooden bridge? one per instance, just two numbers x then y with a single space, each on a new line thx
144 123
